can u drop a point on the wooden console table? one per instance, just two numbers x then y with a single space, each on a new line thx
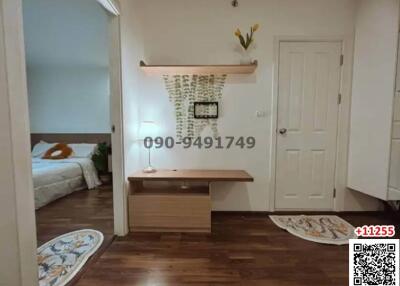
170 207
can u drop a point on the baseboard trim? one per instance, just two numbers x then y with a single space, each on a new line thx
299 212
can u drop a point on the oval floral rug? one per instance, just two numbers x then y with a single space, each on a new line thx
329 229
61 258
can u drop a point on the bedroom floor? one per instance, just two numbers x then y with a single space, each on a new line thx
242 250
83 209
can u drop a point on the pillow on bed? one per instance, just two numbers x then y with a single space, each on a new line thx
83 150
57 152
40 148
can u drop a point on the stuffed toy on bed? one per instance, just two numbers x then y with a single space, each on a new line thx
57 152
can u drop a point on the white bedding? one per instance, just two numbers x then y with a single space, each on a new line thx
53 179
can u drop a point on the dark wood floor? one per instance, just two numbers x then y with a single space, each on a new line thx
84 209
242 250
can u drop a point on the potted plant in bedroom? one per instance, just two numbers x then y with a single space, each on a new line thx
100 160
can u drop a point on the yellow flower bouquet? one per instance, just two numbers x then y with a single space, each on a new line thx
246 42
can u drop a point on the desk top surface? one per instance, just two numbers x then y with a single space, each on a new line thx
193 175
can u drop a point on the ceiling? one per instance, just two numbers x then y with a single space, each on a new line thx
65 33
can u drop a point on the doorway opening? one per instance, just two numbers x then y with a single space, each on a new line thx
74 92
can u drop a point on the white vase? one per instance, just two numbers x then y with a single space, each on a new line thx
245 57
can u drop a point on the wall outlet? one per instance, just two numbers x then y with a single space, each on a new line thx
261 113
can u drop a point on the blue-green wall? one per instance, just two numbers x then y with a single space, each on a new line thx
67 66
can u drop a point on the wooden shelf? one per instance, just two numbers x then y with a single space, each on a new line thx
197 69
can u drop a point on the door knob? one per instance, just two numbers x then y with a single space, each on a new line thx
282 131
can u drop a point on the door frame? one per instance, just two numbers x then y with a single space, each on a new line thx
24 227
21 269
117 136
343 125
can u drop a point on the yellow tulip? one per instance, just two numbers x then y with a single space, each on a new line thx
255 27
237 33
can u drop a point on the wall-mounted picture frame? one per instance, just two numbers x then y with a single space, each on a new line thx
205 110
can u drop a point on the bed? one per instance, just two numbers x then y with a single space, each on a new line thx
53 179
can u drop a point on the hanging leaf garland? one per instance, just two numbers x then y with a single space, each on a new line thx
183 91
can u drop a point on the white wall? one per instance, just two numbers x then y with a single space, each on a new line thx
201 32
65 33
18 264
377 22
131 53
8 223
67 60
69 99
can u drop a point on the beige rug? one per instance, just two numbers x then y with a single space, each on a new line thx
329 229
60 259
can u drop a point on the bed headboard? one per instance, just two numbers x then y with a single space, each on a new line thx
71 138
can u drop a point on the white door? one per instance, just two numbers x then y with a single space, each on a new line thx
308 91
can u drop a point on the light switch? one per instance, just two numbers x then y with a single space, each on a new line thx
261 113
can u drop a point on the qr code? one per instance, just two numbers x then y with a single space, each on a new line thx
374 262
